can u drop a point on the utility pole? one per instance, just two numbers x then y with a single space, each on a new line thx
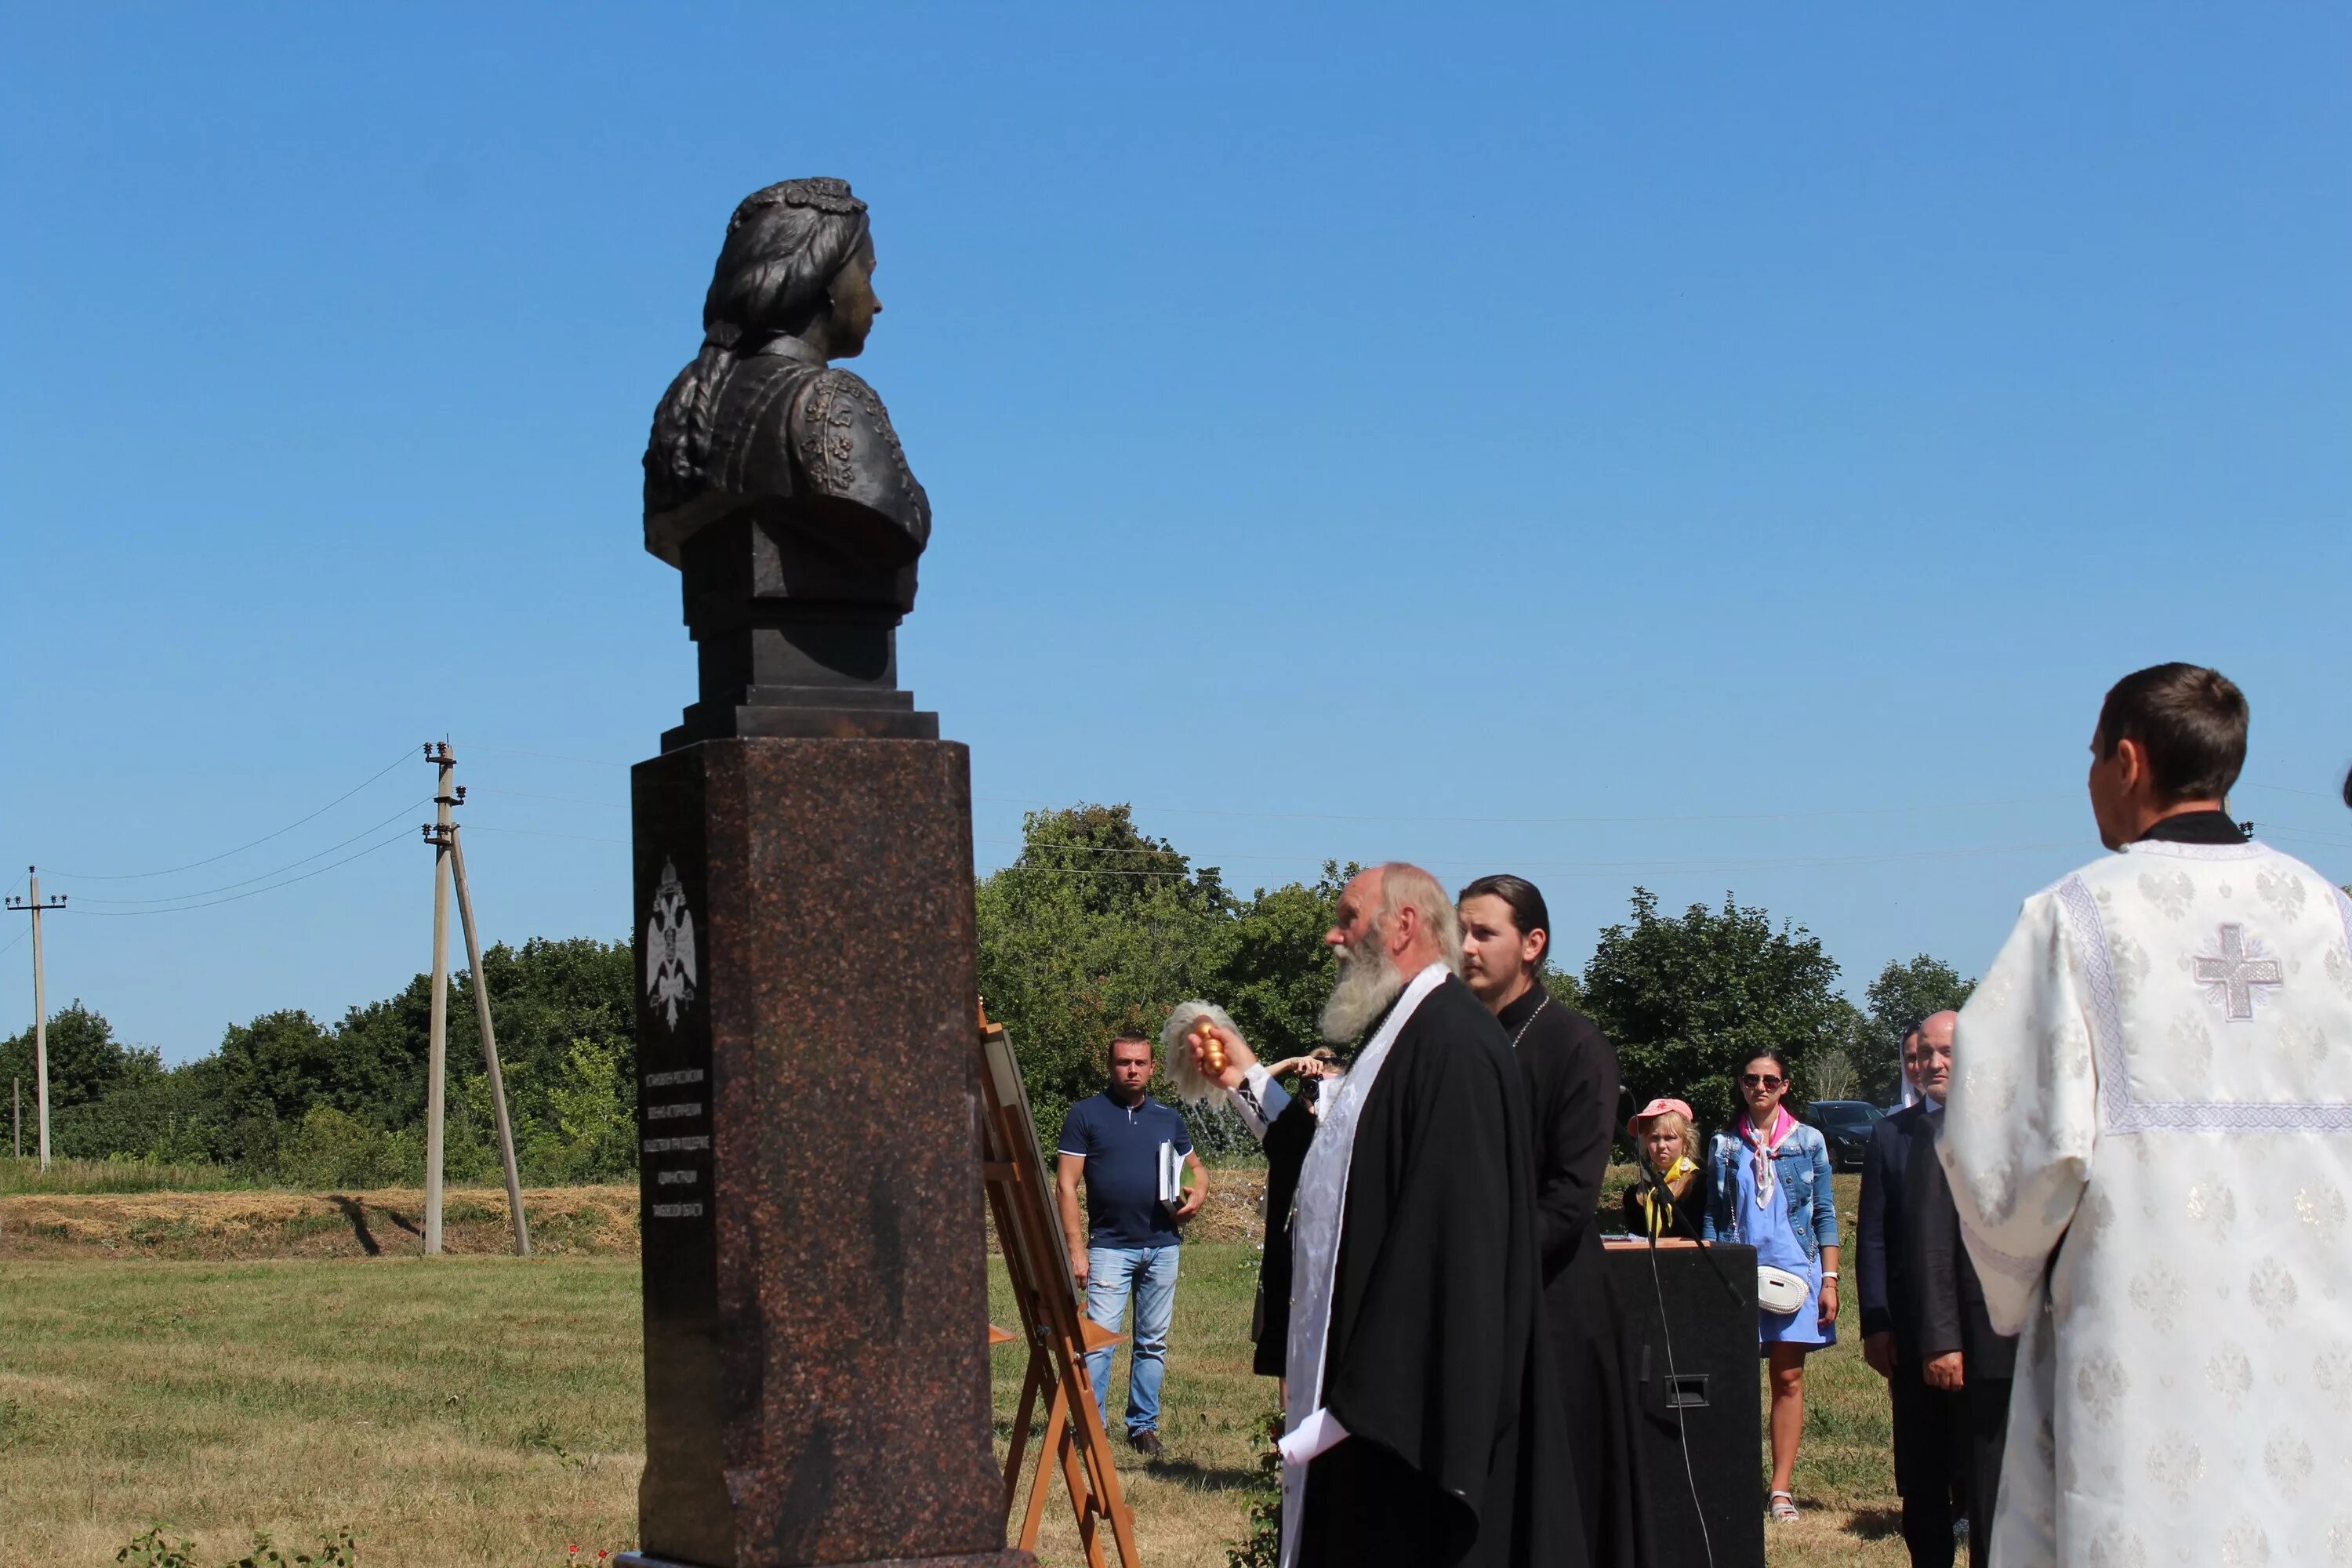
16 1114
449 868
32 905
438 1052
489 1039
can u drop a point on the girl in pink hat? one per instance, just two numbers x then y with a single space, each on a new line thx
1665 1136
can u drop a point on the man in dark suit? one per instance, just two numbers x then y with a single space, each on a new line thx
1927 1450
1959 1355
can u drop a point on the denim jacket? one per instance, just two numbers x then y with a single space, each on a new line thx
1801 1168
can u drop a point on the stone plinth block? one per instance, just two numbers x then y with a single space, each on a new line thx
815 1272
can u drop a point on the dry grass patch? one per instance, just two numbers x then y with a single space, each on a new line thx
225 1225
252 1222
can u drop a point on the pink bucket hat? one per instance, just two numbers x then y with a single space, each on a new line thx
1658 1108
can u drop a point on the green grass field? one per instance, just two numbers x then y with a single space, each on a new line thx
77 1177
481 1411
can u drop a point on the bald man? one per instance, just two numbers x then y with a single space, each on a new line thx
1420 1427
1930 1470
1960 1354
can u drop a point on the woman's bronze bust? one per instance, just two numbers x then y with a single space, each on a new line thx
776 485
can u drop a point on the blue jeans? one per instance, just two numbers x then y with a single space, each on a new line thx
1149 1273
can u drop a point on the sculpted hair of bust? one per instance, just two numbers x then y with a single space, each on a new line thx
785 245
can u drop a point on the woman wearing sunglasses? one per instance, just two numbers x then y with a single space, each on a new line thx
1768 1186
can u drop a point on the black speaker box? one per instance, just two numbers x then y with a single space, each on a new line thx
1692 1313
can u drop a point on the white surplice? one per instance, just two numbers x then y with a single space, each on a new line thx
2154 1082
1318 1218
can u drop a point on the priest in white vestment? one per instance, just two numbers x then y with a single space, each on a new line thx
2149 1141
1421 1429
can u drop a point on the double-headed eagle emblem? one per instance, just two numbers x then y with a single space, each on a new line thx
669 948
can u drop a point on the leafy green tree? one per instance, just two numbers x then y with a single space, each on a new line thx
590 1131
330 1148
280 1066
546 998
1902 996
148 1112
564 1013
1093 929
385 1046
1268 965
85 1058
106 1098
1565 987
1832 1073
1686 999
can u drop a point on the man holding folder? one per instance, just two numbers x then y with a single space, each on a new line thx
1130 1149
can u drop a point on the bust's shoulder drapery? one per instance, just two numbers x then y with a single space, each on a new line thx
845 453
790 436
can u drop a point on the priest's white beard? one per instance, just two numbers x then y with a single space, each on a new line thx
1369 981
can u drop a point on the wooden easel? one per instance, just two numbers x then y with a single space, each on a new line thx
1058 1334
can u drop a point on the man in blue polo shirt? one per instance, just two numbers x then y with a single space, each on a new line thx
1114 1141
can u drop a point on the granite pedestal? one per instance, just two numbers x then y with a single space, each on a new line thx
815 1272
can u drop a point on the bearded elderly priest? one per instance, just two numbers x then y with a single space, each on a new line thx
1420 1428
2149 1141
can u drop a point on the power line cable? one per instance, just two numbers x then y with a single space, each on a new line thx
540 833
2282 789
546 756
274 871
140 876
2293 836
400 837
566 799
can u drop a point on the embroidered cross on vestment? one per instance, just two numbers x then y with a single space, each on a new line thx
2231 977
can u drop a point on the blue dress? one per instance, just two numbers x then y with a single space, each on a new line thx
1767 1231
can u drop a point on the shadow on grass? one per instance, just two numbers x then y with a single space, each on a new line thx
1874 1523
1200 1477
356 1212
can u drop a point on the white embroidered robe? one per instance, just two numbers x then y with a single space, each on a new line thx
2154 1082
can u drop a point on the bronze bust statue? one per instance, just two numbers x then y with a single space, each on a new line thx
775 484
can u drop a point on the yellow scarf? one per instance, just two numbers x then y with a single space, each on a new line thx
1650 1202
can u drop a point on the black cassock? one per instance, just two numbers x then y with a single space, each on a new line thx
1570 1070
1286 1144
1434 1359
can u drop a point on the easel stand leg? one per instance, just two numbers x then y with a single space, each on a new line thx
1075 1439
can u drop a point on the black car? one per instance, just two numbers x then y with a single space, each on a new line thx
1845 1126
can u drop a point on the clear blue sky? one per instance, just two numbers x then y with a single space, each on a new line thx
1739 444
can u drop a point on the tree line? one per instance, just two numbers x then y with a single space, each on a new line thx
1096 928
287 1099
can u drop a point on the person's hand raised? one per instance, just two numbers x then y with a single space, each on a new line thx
1239 1058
